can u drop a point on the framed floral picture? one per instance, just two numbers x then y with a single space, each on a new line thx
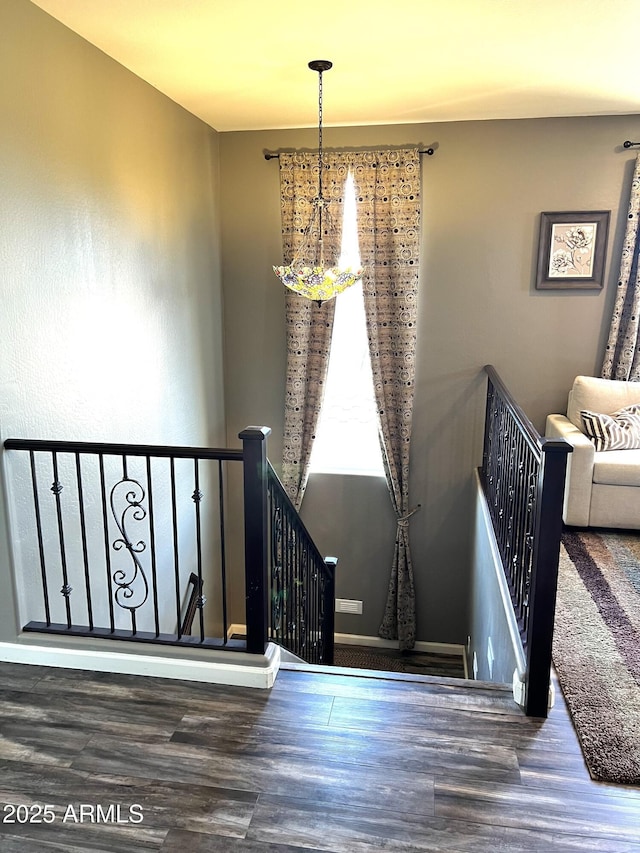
572 250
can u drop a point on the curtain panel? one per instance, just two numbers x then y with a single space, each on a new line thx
622 354
388 208
388 193
308 325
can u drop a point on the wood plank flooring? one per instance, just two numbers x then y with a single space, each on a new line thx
322 762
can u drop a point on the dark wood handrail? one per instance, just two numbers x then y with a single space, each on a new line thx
525 425
108 449
276 484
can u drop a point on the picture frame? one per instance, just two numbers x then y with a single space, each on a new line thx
571 250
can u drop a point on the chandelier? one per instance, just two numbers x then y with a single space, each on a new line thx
308 274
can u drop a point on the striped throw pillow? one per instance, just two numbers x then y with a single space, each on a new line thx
619 431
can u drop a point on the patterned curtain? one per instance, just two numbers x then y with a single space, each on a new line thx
388 193
388 199
308 325
622 355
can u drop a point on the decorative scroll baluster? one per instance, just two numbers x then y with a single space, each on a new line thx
127 596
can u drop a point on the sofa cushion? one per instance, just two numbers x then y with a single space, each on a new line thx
600 395
619 431
617 468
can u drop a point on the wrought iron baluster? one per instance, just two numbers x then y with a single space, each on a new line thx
197 497
176 557
152 548
56 488
525 458
302 590
132 589
276 569
43 569
291 596
313 608
286 581
319 571
223 558
513 567
107 550
83 534
322 582
529 527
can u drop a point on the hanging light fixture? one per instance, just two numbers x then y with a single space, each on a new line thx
307 274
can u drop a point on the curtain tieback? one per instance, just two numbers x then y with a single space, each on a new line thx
403 520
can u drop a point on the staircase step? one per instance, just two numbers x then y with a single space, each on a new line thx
503 690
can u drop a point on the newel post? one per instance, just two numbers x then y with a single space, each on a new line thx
544 574
327 623
254 455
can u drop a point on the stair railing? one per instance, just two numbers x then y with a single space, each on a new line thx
302 582
129 542
522 477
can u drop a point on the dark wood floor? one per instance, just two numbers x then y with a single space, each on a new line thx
321 762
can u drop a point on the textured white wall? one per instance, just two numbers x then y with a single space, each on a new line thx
111 314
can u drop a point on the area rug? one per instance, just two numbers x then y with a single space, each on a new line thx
596 648
392 660
365 658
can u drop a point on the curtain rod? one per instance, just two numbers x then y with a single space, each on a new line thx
628 144
274 155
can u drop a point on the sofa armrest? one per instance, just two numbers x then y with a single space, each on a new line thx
579 480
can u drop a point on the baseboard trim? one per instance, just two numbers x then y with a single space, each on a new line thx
183 669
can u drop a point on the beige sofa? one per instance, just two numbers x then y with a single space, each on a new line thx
602 488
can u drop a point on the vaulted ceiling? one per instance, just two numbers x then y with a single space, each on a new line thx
242 64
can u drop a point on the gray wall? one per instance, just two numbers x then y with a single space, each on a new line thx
493 630
483 191
111 319
112 328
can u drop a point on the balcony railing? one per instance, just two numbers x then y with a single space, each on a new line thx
131 542
302 582
522 476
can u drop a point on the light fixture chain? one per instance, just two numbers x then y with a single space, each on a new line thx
320 136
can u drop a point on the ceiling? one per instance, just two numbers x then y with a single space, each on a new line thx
242 64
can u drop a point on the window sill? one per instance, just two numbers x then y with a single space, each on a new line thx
347 472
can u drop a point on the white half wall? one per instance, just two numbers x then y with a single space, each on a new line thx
233 668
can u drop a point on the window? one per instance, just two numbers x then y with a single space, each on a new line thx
347 435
